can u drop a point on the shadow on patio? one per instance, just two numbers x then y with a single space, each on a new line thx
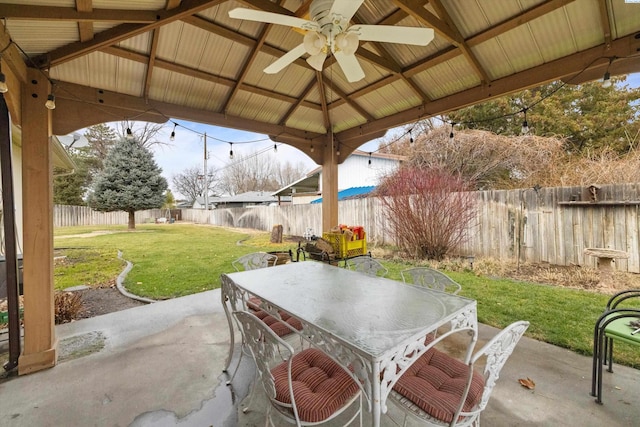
161 365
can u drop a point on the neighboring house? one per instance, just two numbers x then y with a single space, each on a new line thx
199 203
248 199
361 169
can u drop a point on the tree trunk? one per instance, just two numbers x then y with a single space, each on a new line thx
132 220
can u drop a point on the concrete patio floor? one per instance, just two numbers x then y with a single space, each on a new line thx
161 365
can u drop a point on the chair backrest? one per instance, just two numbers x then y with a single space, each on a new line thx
255 260
267 349
496 352
431 279
367 265
621 296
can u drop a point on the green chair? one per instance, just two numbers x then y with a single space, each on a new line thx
618 322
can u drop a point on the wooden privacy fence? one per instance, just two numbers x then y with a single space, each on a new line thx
546 225
65 216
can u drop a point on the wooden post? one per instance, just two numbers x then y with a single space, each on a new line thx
329 186
37 195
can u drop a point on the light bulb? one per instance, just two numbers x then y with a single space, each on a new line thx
51 102
3 83
311 149
231 151
606 80
451 135
525 128
275 147
173 136
129 134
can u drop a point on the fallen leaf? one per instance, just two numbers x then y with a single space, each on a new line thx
528 383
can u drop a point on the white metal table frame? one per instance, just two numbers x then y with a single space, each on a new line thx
374 326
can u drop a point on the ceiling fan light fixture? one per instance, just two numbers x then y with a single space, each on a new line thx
347 43
314 42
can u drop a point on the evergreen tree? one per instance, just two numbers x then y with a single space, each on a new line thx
129 181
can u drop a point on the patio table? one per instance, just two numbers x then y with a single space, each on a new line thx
374 326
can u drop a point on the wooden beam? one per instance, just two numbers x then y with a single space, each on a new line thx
323 103
329 184
85 28
416 9
238 38
40 342
517 20
151 62
247 66
56 13
73 100
605 22
268 6
299 102
466 50
554 70
15 71
121 32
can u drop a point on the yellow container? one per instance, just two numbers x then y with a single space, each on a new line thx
344 248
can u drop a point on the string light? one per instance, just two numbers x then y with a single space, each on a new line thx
410 137
311 149
173 133
370 152
129 134
231 150
51 102
338 150
275 148
525 125
451 133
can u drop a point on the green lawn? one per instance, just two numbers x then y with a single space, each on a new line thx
172 260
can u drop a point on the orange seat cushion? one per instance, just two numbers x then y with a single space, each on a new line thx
320 385
436 382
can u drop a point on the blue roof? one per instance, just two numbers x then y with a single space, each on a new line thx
350 193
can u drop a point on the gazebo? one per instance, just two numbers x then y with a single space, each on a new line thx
161 60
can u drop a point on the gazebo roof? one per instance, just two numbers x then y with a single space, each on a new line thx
159 59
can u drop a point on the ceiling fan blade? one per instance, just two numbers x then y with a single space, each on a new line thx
392 34
350 66
285 59
272 18
345 8
317 61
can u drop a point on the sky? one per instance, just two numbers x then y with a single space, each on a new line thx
187 150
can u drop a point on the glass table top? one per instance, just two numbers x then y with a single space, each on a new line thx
371 314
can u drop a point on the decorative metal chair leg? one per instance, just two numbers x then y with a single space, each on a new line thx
235 371
610 358
253 393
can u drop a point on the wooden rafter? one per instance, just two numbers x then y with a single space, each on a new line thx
56 13
554 70
247 65
85 29
121 32
298 103
238 38
466 50
151 62
516 21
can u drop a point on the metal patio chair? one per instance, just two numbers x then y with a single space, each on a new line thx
254 261
305 388
431 279
367 265
618 322
441 390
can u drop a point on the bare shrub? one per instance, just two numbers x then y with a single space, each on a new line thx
428 210
67 306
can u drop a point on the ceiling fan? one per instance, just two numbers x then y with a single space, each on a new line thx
329 31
